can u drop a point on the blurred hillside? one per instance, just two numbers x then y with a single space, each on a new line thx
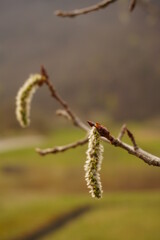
36 191
107 62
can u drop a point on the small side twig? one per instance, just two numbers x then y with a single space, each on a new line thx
63 113
77 12
130 135
76 121
138 152
122 132
64 148
132 5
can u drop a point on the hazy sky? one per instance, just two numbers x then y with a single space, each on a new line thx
107 53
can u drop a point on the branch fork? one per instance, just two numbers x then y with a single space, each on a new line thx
103 131
134 150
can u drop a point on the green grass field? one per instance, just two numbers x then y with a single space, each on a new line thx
34 190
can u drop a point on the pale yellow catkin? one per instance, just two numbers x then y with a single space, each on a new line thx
93 164
24 98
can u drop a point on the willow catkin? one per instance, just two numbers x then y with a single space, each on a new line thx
93 164
24 98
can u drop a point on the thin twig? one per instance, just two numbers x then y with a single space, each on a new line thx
76 121
131 136
92 8
64 148
122 132
140 153
77 12
63 113
132 5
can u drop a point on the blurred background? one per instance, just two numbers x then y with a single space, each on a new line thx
106 65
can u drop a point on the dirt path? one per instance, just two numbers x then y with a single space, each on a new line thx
55 224
19 142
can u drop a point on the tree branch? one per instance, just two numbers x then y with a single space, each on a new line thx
76 121
138 152
62 148
77 12
104 133
67 113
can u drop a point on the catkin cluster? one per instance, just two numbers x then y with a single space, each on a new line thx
93 164
24 98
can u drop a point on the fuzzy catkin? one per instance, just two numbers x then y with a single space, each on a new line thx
93 164
24 98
